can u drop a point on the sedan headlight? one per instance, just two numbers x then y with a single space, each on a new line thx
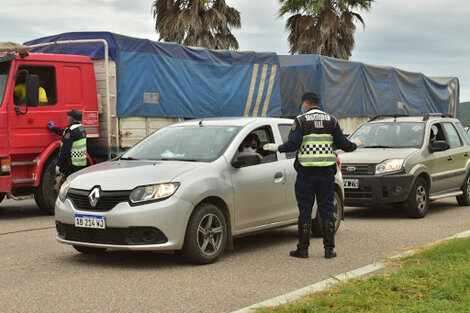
63 190
153 192
387 166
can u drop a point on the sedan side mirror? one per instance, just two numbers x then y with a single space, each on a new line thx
438 145
246 159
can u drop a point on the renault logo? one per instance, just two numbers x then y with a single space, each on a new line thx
94 196
350 168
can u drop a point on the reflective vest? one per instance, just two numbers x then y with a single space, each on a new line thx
316 149
78 151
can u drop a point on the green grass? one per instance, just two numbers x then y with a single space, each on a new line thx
434 280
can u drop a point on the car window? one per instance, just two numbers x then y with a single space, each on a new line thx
47 85
284 129
391 134
188 143
452 136
254 142
463 131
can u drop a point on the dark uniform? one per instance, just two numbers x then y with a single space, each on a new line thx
72 155
313 135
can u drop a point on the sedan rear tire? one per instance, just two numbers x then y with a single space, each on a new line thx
317 229
206 235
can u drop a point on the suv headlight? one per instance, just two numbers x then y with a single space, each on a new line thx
63 190
153 192
387 166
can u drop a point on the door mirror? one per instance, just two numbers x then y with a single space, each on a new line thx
32 90
246 159
438 145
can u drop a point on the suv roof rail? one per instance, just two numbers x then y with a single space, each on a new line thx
428 115
387 115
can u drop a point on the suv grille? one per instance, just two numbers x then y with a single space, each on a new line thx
107 200
357 169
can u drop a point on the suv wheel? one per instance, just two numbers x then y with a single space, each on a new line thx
465 198
206 235
417 204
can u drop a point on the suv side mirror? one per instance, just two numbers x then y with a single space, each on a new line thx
438 145
246 159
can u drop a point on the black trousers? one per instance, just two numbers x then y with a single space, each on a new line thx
315 183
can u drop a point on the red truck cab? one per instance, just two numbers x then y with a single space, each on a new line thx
28 149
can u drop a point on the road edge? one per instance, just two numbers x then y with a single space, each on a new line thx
299 293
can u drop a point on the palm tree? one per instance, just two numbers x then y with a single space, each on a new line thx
323 27
202 23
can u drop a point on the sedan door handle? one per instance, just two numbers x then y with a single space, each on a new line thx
449 158
466 154
278 175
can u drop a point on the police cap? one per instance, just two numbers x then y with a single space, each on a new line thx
75 114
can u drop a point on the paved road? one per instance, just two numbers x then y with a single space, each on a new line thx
37 274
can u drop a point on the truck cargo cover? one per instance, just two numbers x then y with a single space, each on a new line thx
171 80
348 88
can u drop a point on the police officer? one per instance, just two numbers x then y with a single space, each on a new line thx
72 155
313 134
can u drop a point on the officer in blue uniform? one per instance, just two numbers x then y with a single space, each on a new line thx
313 135
72 155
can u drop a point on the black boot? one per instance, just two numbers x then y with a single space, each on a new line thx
304 239
329 238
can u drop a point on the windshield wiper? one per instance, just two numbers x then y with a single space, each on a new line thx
377 146
186 160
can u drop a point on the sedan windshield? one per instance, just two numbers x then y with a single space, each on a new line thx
185 143
391 135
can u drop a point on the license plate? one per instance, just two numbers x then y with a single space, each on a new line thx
351 183
89 221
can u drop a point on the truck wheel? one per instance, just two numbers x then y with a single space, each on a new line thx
417 204
464 199
316 228
46 193
2 196
89 250
206 235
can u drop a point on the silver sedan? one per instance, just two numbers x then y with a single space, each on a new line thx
191 186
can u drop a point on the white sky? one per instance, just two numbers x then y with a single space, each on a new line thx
427 36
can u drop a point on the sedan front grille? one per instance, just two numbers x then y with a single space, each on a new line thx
357 169
107 200
112 236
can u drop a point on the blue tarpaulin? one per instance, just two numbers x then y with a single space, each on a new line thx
348 88
171 80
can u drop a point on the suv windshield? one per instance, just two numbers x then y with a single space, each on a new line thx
391 134
186 143
4 70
